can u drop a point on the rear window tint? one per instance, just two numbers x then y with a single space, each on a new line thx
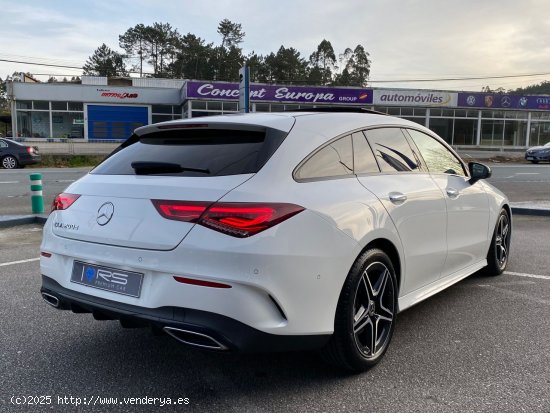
220 152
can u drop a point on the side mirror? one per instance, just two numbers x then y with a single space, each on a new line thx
478 171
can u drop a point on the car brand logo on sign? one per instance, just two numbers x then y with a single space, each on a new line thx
471 100
506 102
105 213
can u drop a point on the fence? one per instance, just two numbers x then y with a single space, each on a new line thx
72 146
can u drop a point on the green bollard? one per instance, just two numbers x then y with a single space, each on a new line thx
37 199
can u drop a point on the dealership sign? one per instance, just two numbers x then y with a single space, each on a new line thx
415 98
278 93
503 101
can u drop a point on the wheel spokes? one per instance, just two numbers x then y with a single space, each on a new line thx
374 309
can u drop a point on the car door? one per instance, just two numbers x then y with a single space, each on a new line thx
411 198
467 204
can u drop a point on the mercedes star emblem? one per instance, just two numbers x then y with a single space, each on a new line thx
105 213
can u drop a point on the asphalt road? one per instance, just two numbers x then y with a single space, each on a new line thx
15 187
482 345
519 182
522 183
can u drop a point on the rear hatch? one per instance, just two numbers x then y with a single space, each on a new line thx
183 162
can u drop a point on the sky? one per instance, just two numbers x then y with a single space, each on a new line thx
406 39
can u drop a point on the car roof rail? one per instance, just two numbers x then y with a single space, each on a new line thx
338 109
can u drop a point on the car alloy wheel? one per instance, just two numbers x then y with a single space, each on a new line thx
365 315
373 310
502 240
9 162
497 257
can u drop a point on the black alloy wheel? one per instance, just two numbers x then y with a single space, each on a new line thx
365 315
499 251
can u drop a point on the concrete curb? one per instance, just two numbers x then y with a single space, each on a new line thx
13 221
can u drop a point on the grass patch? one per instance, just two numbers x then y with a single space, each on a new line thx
68 161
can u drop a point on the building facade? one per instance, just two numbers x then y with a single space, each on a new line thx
107 109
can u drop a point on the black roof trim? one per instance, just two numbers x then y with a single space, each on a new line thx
338 109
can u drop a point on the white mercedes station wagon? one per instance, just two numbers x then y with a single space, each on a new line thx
273 231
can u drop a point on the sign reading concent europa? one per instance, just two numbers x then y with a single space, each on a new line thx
278 93
415 98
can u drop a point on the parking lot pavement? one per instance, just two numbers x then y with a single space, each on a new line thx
482 345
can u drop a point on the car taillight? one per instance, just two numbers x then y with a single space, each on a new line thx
231 218
63 201
181 210
30 150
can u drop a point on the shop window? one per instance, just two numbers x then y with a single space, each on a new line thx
23 104
40 105
214 105
162 109
230 106
67 125
59 105
76 106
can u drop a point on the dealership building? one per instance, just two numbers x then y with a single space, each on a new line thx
110 109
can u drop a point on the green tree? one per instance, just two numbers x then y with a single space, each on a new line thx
286 66
228 57
133 42
356 64
4 106
193 58
232 33
322 63
105 62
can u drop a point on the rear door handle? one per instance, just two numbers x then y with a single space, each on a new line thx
397 197
452 193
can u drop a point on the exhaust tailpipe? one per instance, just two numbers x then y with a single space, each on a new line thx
193 338
51 299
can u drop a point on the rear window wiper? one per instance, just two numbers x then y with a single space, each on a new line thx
150 168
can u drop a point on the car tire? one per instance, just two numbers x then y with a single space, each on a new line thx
9 162
535 161
365 314
499 251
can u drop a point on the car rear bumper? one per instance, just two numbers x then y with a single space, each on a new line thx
29 160
194 327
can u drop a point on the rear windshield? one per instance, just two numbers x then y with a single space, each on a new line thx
205 152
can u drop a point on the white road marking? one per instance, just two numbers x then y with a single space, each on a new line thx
520 274
65 180
516 294
9 182
5 264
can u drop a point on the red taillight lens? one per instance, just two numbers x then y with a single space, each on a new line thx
244 219
181 210
30 150
63 201
235 219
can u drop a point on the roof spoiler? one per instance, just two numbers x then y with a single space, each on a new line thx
338 109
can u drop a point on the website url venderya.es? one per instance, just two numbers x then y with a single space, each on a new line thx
47 400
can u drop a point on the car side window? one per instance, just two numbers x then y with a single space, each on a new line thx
392 150
437 157
364 160
335 159
3 144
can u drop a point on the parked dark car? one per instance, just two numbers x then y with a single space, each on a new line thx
15 155
538 153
